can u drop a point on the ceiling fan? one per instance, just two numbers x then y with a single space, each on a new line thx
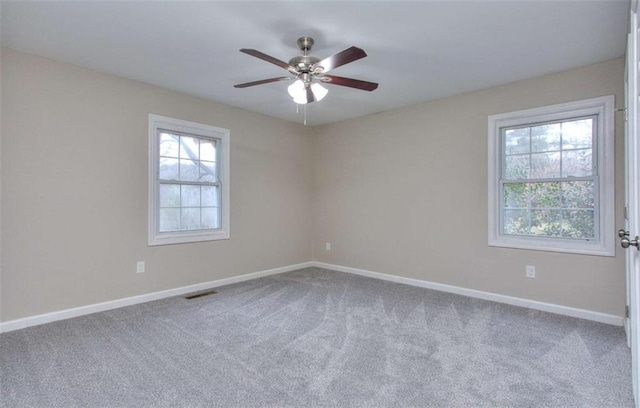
309 71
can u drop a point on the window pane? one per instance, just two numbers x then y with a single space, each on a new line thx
545 138
210 196
168 145
169 195
169 219
190 218
516 222
516 195
207 150
189 148
578 224
545 195
577 163
190 196
578 194
545 222
207 171
188 170
516 141
545 165
211 217
168 169
516 167
577 134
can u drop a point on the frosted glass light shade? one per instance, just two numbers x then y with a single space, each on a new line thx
319 91
296 89
301 99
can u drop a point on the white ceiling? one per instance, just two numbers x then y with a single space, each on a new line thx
417 50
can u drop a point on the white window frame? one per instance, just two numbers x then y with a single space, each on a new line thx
222 136
604 244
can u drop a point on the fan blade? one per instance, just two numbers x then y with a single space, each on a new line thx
350 82
341 58
263 81
269 58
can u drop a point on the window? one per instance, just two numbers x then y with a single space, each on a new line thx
551 178
188 181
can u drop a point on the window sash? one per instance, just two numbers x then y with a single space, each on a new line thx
596 207
594 177
530 152
179 182
215 161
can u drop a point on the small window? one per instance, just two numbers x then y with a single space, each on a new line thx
188 181
551 178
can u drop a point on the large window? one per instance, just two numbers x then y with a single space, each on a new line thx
188 181
551 178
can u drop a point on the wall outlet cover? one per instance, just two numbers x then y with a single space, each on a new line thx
530 271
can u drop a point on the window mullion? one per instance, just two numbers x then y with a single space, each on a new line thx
190 183
560 200
552 179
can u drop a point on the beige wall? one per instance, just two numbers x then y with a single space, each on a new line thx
405 192
402 192
74 184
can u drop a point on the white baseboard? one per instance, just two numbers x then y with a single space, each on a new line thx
134 300
114 304
495 297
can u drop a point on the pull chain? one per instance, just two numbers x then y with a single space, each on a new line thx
304 112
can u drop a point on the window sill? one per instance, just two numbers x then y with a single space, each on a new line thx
171 238
552 245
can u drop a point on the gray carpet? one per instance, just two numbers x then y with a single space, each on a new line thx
317 338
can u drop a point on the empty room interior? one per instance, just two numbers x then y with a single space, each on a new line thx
305 204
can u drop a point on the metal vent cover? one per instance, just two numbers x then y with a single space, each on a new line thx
200 294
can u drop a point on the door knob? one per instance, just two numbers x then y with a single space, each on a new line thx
622 233
625 242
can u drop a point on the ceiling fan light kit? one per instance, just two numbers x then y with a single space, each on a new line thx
309 71
299 91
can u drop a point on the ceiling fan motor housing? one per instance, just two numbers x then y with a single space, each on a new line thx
303 62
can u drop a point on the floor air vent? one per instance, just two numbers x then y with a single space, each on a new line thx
201 294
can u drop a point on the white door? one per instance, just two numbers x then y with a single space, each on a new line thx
632 212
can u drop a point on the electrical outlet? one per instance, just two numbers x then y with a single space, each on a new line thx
140 267
327 246
530 271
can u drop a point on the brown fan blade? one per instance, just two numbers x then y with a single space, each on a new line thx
341 58
350 82
263 81
269 58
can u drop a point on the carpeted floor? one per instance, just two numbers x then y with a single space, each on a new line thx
317 338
